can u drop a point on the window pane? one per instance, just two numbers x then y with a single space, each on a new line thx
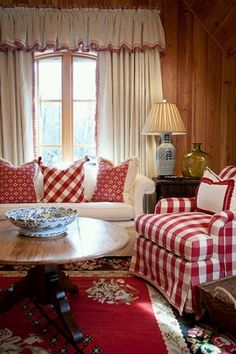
84 128
84 122
50 123
81 151
50 78
84 74
51 155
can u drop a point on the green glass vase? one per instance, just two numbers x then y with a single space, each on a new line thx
195 162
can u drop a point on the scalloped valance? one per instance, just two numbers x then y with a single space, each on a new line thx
85 29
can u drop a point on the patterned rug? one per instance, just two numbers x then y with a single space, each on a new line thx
116 312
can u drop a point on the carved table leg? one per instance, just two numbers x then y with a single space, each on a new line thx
45 285
57 297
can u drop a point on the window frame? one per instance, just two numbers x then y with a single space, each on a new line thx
66 100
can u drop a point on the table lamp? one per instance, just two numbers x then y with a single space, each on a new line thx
164 119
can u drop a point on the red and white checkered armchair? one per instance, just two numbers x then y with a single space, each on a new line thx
189 241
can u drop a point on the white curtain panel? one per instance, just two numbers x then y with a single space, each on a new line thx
129 83
16 133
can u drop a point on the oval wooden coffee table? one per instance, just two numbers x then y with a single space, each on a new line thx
45 283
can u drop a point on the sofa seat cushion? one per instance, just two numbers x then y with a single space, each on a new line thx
107 211
184 234
101 210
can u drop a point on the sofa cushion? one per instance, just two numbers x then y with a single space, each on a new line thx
208 173
184 234
228 172
215 194
102 210
214 197
115 183
17 183
63 185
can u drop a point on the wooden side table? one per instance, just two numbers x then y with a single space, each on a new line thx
175 187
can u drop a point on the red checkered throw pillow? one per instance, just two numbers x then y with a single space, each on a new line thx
63 185
17 183
115 183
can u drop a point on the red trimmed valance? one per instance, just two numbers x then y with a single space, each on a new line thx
85 29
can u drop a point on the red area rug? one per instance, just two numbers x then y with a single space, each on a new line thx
115 314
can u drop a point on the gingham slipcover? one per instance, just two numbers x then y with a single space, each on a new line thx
176 278
184 234
175 205
165 253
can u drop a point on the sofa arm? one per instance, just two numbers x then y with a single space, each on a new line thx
175 205
222 228
143 185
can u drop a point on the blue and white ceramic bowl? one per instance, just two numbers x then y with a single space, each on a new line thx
43 221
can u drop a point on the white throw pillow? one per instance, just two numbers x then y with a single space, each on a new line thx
208 173
214 195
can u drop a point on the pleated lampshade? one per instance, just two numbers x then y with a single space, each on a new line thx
164 118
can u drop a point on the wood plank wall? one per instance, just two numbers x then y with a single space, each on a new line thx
201 79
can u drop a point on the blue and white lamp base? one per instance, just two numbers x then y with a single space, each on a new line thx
166 156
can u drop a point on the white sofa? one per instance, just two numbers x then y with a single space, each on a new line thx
120 213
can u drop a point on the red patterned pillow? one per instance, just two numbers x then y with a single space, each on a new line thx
115 183
63 185
17 183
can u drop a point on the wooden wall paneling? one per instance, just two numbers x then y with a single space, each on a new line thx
169 60
226 28
230 87
213 103
190 2
230 44
216 14
203 7
212 75
233 111
184 79
199 99
224 143
218 17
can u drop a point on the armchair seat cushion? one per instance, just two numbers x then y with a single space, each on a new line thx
184 234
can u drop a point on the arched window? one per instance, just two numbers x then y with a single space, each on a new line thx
65 106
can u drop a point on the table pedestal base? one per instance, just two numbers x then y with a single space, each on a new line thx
45 285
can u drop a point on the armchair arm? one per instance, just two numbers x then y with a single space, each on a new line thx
143 185
220 220
222 228
175 205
